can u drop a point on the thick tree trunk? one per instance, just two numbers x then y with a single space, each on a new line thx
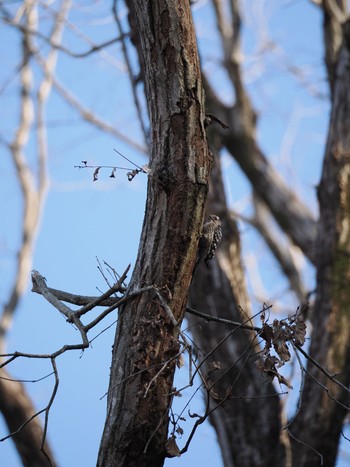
248 423
320 421
136 427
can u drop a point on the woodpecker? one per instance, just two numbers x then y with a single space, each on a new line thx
209 240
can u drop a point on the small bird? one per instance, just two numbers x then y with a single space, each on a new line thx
209 241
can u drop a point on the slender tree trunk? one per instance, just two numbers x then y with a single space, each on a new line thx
136 427
320 421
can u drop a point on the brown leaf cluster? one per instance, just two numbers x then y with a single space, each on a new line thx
278 337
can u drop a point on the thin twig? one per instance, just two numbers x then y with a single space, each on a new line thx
305 444
98 300
226 337
322 370
209 317
117 305
301 390
49 405
87 114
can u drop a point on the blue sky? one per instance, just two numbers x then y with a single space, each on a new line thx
84 220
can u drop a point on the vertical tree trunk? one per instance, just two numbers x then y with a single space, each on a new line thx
320 421
136 427
248 423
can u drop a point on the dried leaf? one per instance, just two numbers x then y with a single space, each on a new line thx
180 361
267 334
172 448
299 329
176 393
96 174
113 173
282 350
283 380
131 175
268 365
179 431
280 337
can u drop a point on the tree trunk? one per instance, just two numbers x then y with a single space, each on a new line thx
320 420
17 409
135 432
248 423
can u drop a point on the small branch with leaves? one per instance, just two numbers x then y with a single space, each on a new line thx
131 174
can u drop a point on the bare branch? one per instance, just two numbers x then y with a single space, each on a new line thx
52 398
25 177
305 444
80 300
229 30
322 369
281 253
56 45
18 410
133 79
208 317
89 116
288 210
117 287
85 38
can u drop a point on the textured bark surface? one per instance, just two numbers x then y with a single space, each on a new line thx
320 421
248 423
16 407
135 433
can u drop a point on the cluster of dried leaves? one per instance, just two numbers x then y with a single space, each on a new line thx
277 337
131 174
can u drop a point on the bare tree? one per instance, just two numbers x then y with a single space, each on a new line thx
237 361
299 225
146 342
16 405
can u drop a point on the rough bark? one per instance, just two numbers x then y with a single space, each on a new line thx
248 423
17 408
135 432
334 14
320 421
